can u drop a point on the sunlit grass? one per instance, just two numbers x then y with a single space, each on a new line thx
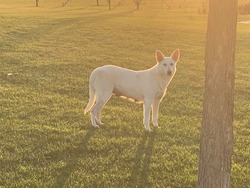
47 54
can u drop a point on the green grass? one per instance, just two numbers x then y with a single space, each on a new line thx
46 141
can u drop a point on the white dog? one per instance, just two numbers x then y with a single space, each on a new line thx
147 86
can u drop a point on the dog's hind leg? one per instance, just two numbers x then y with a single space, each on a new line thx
103 94
93 121
98 119
95 113
99 105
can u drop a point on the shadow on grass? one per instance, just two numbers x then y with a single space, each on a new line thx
140 171
72 160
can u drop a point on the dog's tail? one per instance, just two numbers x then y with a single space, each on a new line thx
92 99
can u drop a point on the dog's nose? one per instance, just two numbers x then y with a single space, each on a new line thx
169 72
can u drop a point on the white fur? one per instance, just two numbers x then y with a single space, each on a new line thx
147 86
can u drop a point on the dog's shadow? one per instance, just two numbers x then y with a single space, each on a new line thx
71 162
140 170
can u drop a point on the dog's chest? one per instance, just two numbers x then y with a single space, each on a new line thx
163 83
161 88
159 94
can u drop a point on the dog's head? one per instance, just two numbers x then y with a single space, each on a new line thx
167 65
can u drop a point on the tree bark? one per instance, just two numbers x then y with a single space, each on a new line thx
109 2
138 3
216 144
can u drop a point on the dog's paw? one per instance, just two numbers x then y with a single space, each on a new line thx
100 123
96 126
148 130
157 127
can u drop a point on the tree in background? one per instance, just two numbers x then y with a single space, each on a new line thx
138 3
66 2
216 145
37 3
109 2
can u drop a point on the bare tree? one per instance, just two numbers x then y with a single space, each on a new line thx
138 3
37 3
97 3
66 2
216 145
109 2
164 2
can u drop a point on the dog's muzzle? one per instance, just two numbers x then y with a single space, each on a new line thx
169 73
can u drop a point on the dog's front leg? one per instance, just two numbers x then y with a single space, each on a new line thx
155 110
146 109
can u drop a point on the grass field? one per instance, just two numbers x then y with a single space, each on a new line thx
46 56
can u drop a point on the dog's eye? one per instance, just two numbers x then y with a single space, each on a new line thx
164 64
171 64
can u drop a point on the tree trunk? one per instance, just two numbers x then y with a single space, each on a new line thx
216 144
138 3
109 1
97 2
37 3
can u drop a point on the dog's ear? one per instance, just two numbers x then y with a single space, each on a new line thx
176 55
159 56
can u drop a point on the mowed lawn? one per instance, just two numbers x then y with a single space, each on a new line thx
46 56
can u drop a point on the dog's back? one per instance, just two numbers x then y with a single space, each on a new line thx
120 81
